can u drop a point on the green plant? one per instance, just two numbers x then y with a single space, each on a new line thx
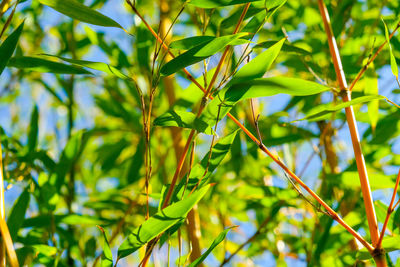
131 167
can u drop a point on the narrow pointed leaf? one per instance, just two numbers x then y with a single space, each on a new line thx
393 64
78 11
285 47
159 223
33 130
8 46
371 88
214 244
198 53
17 214
263 87
106 256
219 152
100 66
190 42
182 119
258 66
218 3
44 65
322 111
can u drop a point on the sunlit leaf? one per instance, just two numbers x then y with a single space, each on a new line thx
104 67
393 63
322 111
285 47
190 42
263 87
198 53
214 244
78 11
218 3
182 119
204 169
159 223
106 256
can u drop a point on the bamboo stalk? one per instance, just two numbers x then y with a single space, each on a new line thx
351 121
367 245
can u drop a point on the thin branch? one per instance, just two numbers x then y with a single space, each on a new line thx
361 72
389 212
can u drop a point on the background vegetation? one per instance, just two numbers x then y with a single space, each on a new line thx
92 130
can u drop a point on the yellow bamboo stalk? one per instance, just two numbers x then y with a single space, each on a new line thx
6 241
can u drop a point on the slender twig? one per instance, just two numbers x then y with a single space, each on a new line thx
351 121
389 211
4 6
192 132
203 104
266 151
8 19
361 72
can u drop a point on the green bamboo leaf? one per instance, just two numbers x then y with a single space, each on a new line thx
322 111
44 65
198 53
100 66
371 88
106 256
8 46
258 66
219 151
263 87
285 47
218 3
159 223
33 130
78 11
190 42
393 63
17 214
183 119
214 244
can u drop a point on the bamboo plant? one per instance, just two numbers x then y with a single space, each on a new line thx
152 137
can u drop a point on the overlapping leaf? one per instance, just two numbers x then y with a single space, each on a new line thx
218 3
263 87
198 53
